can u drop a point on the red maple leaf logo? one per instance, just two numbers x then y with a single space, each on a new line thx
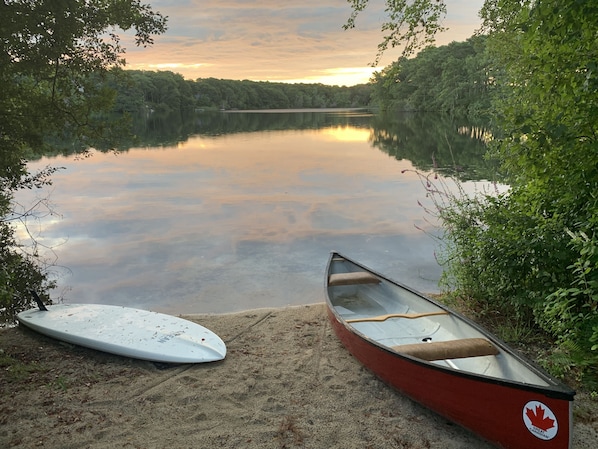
538 419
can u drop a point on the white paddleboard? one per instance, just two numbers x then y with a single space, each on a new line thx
128 332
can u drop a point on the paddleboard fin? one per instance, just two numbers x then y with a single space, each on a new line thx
38 300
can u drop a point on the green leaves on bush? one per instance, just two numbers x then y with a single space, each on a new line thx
52 58
531 253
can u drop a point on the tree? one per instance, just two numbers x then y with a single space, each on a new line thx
549 150
451 78
53 56
411 24
531 253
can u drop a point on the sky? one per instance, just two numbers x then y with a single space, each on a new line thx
278 40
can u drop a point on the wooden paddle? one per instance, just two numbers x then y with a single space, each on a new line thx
396 315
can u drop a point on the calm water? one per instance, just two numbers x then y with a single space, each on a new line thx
235 211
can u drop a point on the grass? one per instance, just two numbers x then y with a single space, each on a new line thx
17 371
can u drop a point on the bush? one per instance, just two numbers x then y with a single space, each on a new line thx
571 313
524 266
19 274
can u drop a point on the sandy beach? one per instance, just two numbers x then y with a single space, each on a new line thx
286 382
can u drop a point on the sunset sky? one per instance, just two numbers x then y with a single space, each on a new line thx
277 40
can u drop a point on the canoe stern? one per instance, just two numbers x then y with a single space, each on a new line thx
527 412
513 418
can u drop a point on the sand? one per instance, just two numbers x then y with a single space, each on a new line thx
286 382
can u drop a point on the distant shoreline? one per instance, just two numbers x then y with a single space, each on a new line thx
279 111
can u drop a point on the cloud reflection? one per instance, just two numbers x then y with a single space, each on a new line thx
233 222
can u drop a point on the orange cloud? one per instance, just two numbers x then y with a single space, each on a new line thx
267 41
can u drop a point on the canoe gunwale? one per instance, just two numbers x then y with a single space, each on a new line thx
555 389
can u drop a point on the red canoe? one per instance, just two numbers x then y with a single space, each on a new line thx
445 361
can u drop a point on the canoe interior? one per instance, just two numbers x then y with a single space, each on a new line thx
358 301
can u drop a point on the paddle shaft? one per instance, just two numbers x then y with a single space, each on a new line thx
396 315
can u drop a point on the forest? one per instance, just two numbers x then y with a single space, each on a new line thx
450 79
166 93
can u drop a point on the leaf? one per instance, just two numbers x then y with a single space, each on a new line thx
538 419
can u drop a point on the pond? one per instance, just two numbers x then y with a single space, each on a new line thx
235 211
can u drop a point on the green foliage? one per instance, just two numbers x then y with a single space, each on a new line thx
452 78
571 313
550 150
167 93
20 268
499 253
514 252
18 274
411 24
164 92
50 50
519 266
531 253
53 59
228 94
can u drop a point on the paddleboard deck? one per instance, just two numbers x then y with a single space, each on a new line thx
127 332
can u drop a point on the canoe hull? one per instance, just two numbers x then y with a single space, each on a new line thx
489 409
500 411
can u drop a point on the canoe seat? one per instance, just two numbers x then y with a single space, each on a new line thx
454 349
356 277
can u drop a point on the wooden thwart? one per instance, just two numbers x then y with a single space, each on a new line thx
356 277
396 315
455 349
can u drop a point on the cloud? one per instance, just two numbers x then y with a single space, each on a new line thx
277 41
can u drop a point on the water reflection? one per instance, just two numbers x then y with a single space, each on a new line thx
236 220
172 129
452 145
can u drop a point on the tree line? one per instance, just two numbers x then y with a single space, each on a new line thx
166 92
452 78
